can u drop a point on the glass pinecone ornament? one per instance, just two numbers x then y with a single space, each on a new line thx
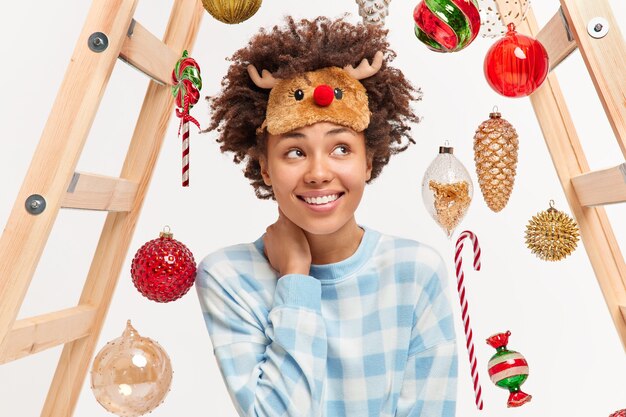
495 154
373 11
552 234
163 269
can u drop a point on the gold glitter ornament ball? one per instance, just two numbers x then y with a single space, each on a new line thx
495 155
552 234
232 11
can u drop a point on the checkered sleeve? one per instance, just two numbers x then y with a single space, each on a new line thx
270 369
430 379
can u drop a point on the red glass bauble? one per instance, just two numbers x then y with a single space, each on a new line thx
516 65
163 269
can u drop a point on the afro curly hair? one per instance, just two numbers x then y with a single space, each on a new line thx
303 46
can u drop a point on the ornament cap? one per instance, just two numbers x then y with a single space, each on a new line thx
166 233
499 340
495 114
446 149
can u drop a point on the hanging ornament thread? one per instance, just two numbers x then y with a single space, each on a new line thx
495 154
552 235
460 276
186 89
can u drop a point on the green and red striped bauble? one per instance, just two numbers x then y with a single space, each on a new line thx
508 369
446 25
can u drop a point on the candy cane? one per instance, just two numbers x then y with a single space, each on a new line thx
465 315
185 131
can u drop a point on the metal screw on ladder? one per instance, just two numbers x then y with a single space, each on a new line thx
98 42
35 204
598 27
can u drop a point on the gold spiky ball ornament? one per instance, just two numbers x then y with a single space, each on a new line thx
495 155
232 11
552 234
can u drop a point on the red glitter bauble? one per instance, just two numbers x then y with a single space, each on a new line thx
163 269
516 65
620 413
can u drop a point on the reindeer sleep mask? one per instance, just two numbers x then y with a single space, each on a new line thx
329 94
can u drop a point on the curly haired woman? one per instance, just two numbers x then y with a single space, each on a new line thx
322 316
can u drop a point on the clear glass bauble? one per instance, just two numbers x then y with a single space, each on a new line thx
131 375
447 190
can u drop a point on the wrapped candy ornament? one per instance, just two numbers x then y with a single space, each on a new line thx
163 269
131 375
446 25
447 190
508 369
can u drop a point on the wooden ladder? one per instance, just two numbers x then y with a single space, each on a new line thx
587 191
109 33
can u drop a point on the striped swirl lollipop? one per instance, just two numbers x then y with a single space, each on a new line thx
186 87
508 369
446 25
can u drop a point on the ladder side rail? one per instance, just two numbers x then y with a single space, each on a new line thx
605 59
118 229
57 154
569 161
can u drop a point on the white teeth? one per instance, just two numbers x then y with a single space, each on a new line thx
321 200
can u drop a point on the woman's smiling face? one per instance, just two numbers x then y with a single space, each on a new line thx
318 175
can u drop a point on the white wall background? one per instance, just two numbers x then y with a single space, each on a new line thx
555 311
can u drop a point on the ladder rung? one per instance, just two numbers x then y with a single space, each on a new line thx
596 188
38 333
557 39
148 54
98 192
